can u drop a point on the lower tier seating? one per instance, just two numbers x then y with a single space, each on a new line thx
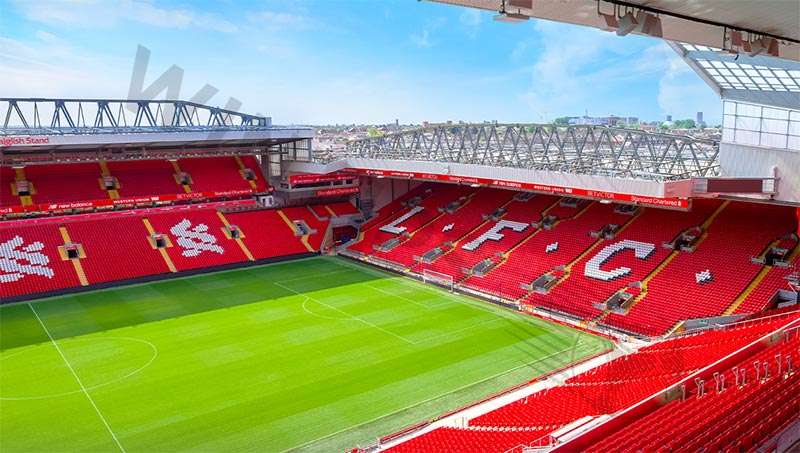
30 260
116 248
197 239
457 440
744 416
740 417
68 252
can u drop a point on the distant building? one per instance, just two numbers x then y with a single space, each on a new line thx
669 118
699 122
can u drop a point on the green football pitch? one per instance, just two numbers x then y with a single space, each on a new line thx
318 354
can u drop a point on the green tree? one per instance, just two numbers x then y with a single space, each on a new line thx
561 121
373 132
684 124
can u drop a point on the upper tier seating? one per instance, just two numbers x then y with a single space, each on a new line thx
66 182
145 177
214 173
54 183
251 163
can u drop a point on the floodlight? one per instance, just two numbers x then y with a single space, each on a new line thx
608 22
627 24
511 18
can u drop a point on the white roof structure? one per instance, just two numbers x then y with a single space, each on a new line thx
704 23
760 79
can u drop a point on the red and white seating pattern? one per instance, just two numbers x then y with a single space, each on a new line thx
197 239
30 261
118 248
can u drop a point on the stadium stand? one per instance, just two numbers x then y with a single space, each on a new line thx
568 239
145 177
116 248
121 246
743 416
30 260
196 238
667 268
679 291
278 239
439 196
436 234
466 440
66 182
214 173
7 197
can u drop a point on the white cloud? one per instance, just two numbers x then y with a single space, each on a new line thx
423 39
581 68
681 93
471 20
72 14
277 21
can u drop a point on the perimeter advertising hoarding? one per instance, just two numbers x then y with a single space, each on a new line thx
676 203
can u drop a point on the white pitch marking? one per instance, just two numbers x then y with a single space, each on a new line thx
75 375
346 314
313 276
406 298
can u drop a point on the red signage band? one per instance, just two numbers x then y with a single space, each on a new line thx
123 201
24 140
314 178
655 201
337 191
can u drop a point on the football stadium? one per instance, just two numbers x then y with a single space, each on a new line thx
177 276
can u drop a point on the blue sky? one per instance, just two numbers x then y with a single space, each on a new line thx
346 61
